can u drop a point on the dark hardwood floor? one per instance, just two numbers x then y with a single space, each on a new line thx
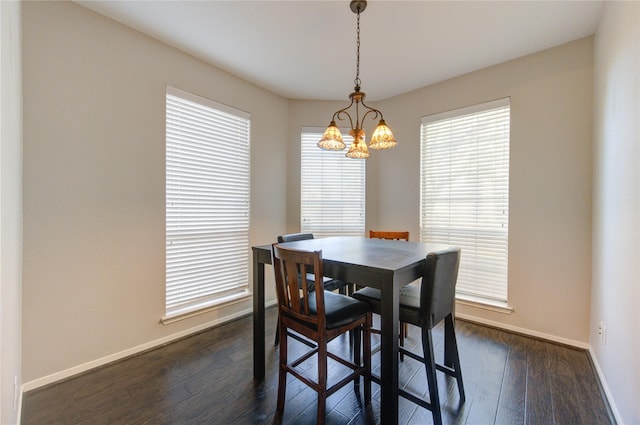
208 379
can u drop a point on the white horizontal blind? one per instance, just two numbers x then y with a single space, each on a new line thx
465 193
207 203
332 199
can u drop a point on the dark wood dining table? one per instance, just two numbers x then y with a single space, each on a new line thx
384 264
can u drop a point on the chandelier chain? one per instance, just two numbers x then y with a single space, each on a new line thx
382 137
357 80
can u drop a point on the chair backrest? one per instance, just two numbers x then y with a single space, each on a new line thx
298 298
438 289
292 237
378 234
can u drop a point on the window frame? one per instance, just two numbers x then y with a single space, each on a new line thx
207 204
335 175
477 276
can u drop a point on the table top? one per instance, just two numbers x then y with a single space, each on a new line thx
379 256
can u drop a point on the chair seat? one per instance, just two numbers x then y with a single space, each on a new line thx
329 283
340 310
409 302
333 284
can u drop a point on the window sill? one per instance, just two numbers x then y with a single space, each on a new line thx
497 306
215 305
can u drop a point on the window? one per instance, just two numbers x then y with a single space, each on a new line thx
207 203
464 194
332 189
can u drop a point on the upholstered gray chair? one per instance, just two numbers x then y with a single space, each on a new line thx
426 306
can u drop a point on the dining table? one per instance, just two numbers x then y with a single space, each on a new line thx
384 264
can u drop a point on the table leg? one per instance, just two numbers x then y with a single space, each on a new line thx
449 347
389 354
258 318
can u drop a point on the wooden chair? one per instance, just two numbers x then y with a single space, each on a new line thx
399 236
426 306
329 284
320 316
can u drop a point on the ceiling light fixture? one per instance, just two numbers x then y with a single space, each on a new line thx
382 137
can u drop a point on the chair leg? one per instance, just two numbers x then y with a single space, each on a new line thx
357 357
277 338
322 381
367 360
455 357
403 334
430 366
282 374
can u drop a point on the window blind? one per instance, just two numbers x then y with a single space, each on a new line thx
465 193
332 199
207 203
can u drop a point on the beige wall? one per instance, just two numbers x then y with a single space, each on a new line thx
94 184
94 188
615 295
10 209
549 184
550 180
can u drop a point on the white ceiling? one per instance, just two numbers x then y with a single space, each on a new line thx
306 49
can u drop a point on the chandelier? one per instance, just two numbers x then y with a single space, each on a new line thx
382 137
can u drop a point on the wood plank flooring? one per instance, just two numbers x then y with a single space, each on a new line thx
208 379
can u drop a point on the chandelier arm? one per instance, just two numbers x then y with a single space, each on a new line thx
378 113
373 111
342 112
338 114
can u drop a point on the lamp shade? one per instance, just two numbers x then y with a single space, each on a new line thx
332 138
382 137
358 148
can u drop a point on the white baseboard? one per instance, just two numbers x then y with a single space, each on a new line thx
64 374
19 405
524 331
605 387
565 341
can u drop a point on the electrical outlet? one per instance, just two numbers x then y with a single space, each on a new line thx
602 331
